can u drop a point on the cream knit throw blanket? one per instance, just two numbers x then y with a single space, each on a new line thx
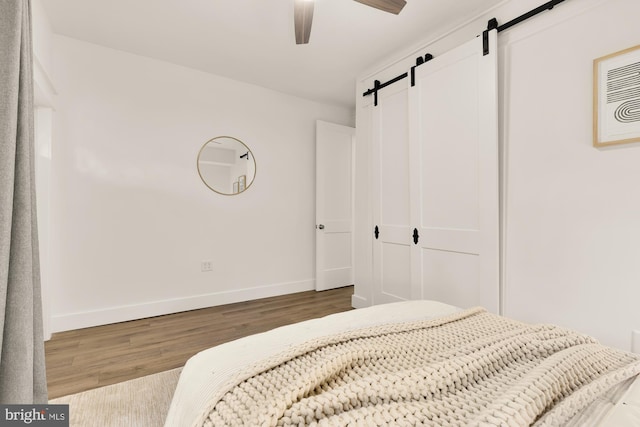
469 368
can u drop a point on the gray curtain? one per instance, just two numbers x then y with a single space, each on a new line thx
22 368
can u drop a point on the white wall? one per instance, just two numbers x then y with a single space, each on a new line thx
44 91
41 35
571 212
131 219
44 95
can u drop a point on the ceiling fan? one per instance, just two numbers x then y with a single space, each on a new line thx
303 14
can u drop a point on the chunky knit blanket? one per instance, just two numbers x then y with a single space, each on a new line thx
468 368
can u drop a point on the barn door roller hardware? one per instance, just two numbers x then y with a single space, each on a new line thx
377 85
419 61
493 23
533 12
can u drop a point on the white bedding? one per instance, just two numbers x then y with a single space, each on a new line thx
211 368
223 361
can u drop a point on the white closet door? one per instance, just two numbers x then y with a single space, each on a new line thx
390 196
454 177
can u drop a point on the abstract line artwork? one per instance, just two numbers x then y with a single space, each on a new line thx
616 98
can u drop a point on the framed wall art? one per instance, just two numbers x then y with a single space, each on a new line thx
616 98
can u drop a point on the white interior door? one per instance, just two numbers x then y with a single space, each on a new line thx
390 196
454 176
334 205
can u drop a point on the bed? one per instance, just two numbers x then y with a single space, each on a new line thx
410 363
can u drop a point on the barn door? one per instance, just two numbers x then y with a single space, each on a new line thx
390 196
454 177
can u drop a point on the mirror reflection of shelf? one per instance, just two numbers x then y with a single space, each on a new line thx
211 162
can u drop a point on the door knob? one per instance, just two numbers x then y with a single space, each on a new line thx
321 226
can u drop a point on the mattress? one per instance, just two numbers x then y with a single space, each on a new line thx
205 372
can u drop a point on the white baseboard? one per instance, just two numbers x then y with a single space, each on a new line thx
123 313
359 302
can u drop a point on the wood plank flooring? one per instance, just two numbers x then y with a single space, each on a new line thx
94 357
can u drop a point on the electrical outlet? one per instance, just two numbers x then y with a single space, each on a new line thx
206 266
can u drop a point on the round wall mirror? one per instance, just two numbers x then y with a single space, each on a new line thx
226 165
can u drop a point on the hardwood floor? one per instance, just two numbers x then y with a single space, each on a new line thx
94 357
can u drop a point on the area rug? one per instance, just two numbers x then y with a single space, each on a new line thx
139 402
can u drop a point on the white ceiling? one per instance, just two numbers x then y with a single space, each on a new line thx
253 40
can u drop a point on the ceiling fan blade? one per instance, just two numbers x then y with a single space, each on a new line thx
302 19
391 6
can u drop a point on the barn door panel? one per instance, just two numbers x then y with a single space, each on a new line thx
390 196
454 176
